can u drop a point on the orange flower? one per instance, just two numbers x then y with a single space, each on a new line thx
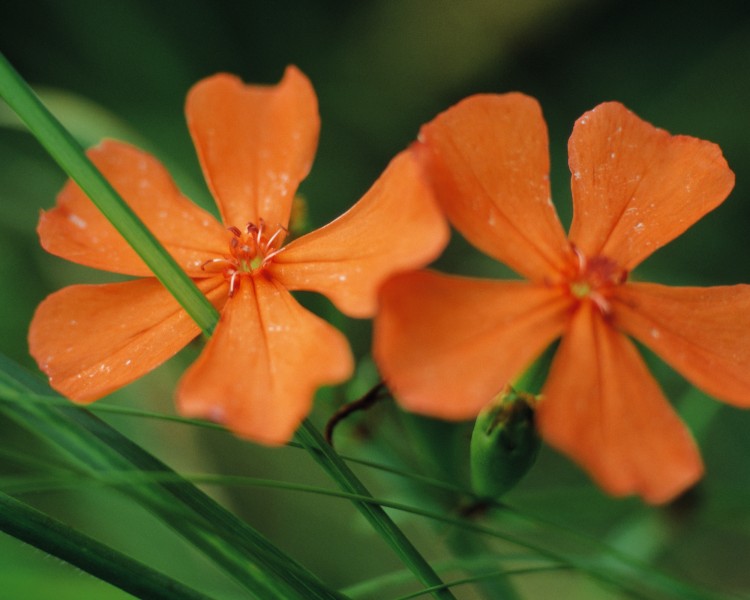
268 355
446 345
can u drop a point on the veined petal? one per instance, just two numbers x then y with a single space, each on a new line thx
259 371
93 339
255 143
489 162
704 333
603 408
447 345
635 187
77 231
396 226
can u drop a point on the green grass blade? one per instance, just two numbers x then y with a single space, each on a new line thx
100 450
42 531
71 157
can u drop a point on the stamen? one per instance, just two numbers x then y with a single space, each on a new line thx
581 258
234 283
216 261
601 302
236 232
274 236
270 255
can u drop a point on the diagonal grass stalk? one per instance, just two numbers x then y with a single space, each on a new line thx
70 156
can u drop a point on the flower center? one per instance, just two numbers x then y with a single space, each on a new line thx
250 252
595 279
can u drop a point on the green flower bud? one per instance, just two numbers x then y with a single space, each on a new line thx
504 443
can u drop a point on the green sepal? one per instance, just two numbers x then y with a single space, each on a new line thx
504 444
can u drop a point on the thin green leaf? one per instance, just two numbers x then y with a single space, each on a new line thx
42 531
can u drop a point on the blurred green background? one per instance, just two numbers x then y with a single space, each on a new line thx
121 69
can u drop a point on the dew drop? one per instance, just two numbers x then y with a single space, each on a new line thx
77 221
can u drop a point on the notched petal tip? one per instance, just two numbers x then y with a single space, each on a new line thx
604 409
396 226
255 143
75 229
703 333
636 187
488 161
93 339
259 372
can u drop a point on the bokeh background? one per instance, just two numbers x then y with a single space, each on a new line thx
121 69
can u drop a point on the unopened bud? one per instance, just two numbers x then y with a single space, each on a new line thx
504 444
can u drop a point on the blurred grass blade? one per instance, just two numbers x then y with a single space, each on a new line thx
71 157
42 531
100 450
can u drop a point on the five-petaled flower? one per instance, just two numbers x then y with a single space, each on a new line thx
446 345
268 355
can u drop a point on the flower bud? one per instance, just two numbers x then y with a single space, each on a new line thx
504 443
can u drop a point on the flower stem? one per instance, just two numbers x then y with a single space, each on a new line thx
332 463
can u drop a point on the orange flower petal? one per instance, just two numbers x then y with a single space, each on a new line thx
77 231
447 345
396 226
603 408
704 333
255 143
635 187
259 371
93 339
489 160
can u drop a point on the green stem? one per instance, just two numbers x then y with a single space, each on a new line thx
327 457
42 531
70 156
